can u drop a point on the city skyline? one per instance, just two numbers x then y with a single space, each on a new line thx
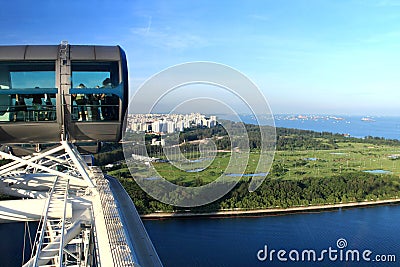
322 57
168 123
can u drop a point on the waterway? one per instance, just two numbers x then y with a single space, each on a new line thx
236 241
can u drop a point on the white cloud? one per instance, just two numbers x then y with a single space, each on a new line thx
389 3
259 17
167 39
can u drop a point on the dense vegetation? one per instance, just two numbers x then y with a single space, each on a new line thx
306 170
348 187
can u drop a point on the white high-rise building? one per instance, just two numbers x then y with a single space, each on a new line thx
171 126
213 121
157 126
180 126
168 123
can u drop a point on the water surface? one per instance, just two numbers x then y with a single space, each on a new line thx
236 241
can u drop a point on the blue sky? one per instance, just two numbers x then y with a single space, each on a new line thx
307 56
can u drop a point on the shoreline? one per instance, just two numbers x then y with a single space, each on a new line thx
267 212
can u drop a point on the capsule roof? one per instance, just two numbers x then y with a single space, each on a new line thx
50 52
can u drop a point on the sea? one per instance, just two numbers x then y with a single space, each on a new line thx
345 237
355 126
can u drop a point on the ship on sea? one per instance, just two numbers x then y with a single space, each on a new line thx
367 119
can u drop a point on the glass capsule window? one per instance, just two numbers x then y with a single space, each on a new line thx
27 91
94 91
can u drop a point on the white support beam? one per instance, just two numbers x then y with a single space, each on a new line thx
38 166
57 159
12 166
79 163
29 210
51 249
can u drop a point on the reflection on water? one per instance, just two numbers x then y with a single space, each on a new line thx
247 174
378 171
196 170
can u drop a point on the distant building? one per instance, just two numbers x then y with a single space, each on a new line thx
168 123
171 127
159 126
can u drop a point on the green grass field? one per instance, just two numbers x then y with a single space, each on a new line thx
298 177
349 157
291 165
